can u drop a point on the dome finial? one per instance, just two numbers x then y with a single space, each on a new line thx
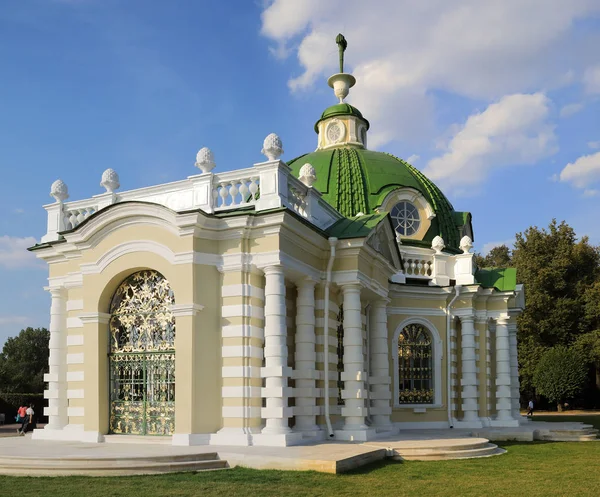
342 45
341 82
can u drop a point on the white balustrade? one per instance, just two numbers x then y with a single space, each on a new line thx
235 193
418 268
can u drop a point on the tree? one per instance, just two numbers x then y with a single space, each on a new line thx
560 374
24 360
497 257
559 273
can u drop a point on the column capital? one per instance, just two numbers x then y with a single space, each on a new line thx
273 269
351 287
502 321
306 282
466 318
56 291
381 302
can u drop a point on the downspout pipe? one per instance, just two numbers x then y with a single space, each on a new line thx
332 244
457 289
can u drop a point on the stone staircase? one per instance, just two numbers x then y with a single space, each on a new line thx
443 449
110 466
578 432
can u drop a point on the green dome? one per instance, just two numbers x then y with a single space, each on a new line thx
354 180
342 109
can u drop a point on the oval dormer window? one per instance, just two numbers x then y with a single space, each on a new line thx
335 132
406 219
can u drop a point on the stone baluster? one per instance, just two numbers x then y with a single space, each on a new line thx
57 376
470 394
514 371
354 375
305 372
380 380
503 383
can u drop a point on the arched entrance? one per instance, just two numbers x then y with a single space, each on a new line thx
142 356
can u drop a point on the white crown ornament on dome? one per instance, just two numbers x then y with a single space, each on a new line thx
59 191
308 175
438 244
205 160
466 244
272 147
110 180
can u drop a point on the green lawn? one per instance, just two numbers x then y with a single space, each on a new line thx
528 469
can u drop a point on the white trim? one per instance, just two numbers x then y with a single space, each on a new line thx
240 372
240 392
75 411
244 310
242 290
74 323
75 376
438 355
73 340
77 393
242 331
242 351
180 310
75 358
74 305
413 311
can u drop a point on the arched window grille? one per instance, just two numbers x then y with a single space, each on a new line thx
415 365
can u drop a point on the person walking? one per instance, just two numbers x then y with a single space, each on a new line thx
530 408
22 417
28 420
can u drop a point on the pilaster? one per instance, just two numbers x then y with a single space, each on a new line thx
503 373
380 380
470 395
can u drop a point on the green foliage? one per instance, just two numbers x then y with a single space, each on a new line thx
24 360
497 257
562 289
560 374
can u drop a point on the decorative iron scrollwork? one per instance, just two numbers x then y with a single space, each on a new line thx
415 366
142 357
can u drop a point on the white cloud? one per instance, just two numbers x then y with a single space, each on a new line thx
594 145
401 51
570 110
487 247
13 320
513 131
590 193
14 254
591 79
413 159
583 172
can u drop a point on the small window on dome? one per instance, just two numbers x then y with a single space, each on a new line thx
363 136
405 217
334 132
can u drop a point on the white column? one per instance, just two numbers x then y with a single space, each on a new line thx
276 371
354 375
57 361
380 380
305 372
503 383
470 394
514 371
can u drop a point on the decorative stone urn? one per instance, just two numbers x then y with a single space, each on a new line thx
272 147
466 244
308 175
438 244
110 180
205 160
59 191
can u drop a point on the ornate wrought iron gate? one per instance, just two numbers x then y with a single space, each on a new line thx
142 356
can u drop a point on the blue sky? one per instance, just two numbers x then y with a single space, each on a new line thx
499 104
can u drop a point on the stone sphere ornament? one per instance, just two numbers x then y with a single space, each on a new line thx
110 180
59 191
308 175
466 244
205 160
438 244
272 147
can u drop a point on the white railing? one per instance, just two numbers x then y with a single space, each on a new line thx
265 186
418 268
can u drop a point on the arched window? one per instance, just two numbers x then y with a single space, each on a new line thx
405 217
415 365
142 356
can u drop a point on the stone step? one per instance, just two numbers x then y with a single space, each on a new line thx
108 468
433 455
80 461
568 438
138 439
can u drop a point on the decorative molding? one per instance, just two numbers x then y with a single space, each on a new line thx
181 310
95 317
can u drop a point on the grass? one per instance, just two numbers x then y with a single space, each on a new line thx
531 469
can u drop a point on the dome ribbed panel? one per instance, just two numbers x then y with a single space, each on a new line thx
351 184
442 207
